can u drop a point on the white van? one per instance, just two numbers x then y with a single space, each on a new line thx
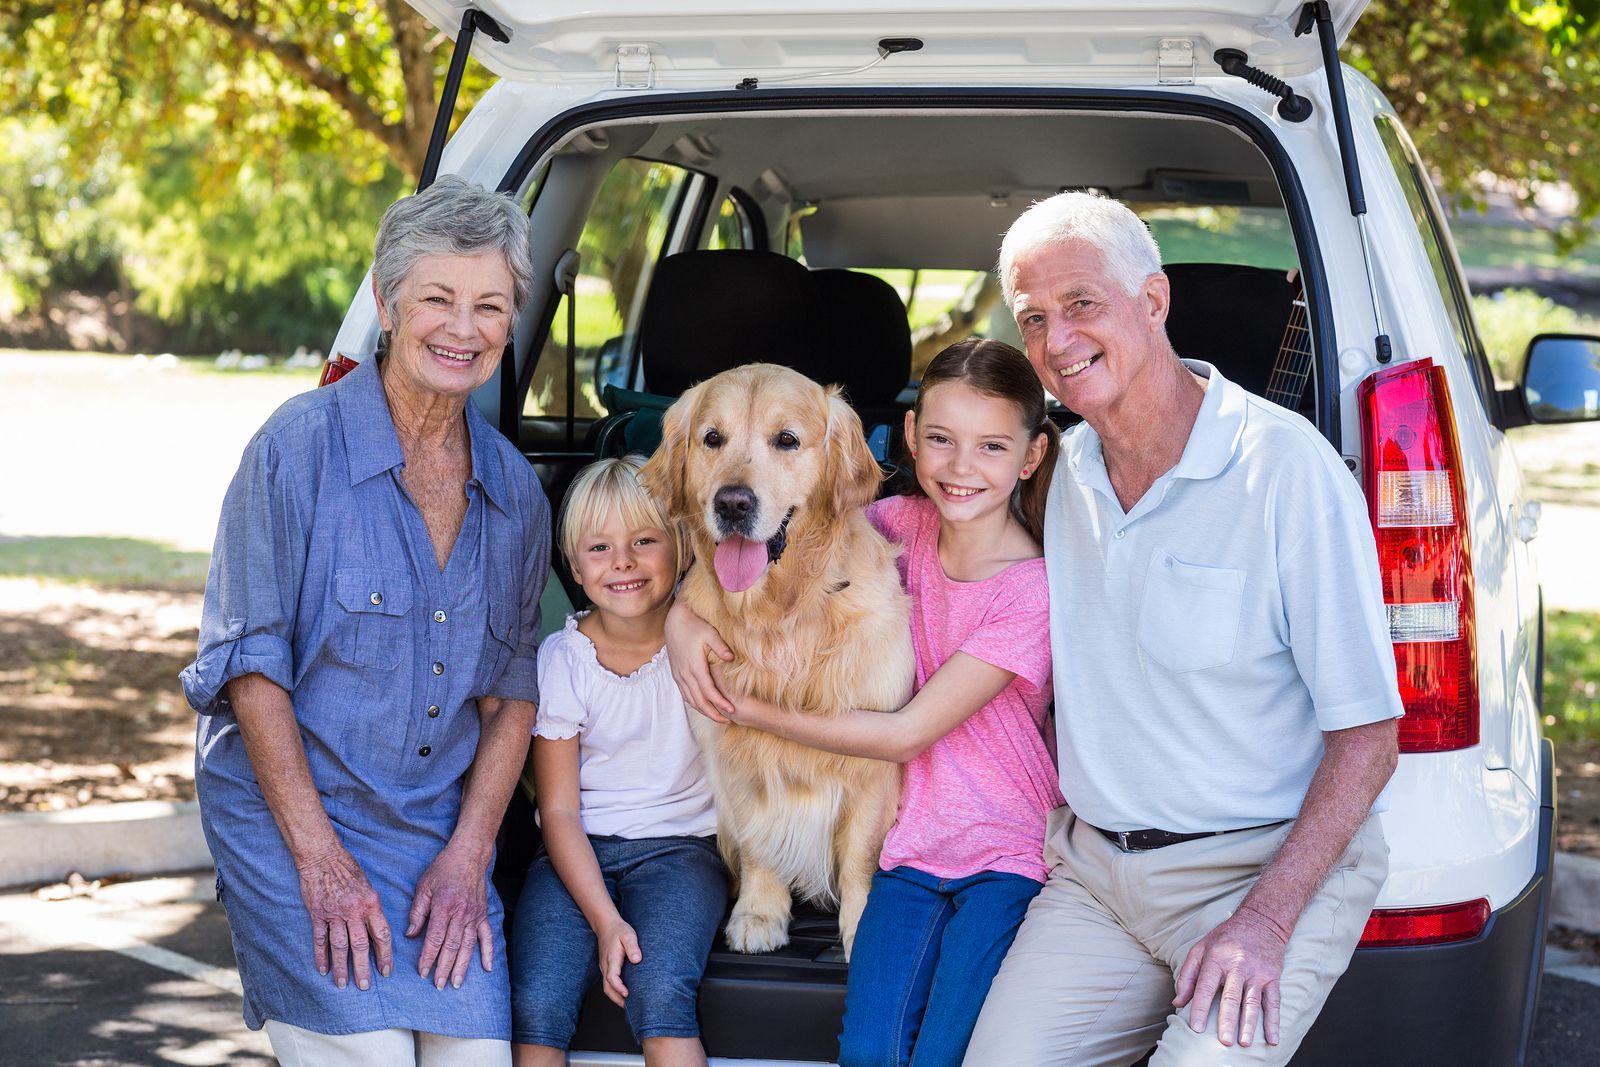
709 183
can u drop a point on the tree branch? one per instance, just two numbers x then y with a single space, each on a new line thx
300 61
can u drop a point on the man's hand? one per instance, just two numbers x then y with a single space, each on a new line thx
617 940
1242 959
453 902
692 643
344 912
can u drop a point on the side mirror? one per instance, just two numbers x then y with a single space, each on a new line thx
1560 382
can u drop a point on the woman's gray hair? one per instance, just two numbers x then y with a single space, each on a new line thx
452 217
1124 241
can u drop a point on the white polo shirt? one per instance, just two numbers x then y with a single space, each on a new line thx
1204 640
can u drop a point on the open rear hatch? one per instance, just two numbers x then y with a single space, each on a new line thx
712 43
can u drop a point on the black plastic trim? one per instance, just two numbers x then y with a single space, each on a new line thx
973 99
754 216
1469 1002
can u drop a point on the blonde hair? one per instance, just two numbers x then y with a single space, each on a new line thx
607 484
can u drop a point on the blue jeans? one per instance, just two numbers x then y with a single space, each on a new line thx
673 891
924 956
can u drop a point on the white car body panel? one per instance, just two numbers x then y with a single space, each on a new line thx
717 43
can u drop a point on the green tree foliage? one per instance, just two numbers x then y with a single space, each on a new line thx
234 155
1505 89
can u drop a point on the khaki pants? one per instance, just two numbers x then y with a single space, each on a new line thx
1090 977
295 1047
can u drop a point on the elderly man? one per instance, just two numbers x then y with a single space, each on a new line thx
1225 687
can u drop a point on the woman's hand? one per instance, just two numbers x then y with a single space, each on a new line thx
346 918
453 902
617 940
691 644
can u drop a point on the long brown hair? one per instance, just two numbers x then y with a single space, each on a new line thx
995 369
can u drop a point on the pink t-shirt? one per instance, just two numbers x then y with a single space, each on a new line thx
976 799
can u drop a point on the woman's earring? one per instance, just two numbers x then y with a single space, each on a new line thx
1025 472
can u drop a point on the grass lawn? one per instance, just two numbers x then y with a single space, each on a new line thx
1572 676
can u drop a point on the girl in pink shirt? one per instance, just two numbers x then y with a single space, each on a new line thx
965 855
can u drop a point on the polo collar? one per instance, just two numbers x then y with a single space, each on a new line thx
1218 427
372 447
1212 444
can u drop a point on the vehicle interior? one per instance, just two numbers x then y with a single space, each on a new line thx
850 246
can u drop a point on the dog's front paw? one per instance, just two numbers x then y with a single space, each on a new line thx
749 932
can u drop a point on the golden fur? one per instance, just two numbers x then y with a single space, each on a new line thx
825 629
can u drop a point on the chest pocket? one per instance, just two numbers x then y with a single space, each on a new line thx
1189 617
499 643
372 629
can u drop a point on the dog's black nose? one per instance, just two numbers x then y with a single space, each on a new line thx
735 505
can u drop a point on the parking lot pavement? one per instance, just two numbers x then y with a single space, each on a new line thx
139 974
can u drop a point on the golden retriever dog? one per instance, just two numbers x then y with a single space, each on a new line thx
769 472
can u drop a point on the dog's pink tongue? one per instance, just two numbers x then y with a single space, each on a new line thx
740 562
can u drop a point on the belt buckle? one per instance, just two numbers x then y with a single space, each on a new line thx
1122 841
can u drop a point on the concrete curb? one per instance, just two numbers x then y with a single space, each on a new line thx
1575 893
135 837
157 837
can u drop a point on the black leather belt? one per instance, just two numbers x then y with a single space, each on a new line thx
1147 840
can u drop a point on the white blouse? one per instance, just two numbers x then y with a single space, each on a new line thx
639 768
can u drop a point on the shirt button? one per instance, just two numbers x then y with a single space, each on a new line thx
438 668
433 711
1120 535
438 616
376 598
424 750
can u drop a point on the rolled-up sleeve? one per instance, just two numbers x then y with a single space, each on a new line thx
252 590
520 680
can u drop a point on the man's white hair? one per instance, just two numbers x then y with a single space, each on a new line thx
1123 240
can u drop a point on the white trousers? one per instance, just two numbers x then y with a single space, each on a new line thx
296 1047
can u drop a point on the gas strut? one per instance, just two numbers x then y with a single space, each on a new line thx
1316 16
471 22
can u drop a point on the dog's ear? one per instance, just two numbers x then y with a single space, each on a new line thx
665 474
856 474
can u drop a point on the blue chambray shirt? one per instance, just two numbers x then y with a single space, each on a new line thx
324 580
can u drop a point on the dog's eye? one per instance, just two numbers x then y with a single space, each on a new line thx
786 440
712 439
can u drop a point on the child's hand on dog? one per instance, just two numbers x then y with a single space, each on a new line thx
617 940
692 645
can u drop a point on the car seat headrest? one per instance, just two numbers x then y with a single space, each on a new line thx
711 310
866 335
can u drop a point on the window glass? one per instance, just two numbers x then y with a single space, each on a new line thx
730 227
621 241
1441 255
1252 236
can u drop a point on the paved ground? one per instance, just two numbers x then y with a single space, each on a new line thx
141 973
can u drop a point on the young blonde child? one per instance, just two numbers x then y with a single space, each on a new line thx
965 855
628 887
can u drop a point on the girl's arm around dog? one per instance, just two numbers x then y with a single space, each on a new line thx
960 687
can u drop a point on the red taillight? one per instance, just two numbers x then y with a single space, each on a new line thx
1419 516
1391 927
337 367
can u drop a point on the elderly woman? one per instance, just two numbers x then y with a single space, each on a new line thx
366 667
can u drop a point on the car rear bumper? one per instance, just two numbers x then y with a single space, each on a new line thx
1467 1002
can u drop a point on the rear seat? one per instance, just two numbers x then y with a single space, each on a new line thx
1231 316
709 311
